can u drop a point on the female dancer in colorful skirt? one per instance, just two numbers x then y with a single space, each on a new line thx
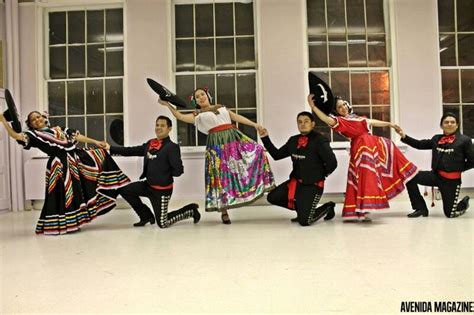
378 170
80 183
237 170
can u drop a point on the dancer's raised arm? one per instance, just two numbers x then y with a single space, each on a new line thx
325 118
187 118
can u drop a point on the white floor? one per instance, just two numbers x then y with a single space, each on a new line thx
261 263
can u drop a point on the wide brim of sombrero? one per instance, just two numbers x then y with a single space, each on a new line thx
166 94
323 96
11 114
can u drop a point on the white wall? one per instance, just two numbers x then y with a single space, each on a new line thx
282 66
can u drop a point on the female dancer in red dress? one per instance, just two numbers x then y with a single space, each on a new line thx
377 168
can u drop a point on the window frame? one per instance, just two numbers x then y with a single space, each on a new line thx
197 150
44 59
391 69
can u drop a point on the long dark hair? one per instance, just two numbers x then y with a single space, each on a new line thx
349 107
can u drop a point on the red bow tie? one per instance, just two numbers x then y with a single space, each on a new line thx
447 139
302 142
155 144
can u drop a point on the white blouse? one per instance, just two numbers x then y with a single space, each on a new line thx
207 120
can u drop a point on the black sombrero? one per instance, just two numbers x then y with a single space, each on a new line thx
165 94
323 97
11 113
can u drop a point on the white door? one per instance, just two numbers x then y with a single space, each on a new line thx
5 201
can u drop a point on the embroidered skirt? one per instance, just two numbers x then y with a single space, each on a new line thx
237 170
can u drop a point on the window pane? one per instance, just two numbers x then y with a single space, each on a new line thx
114 129
226 90
465 48
186 134
76 27
57 62
185 88
244 18
56 98
336 17
316 17
75 98
204 54
245 53
114 25
94 97
377 51
224 19
246 88
95 127
450 82
204 20
114 57
95 60
468 120
467 84
446 15
206 80
113 96
202 138
225 54
57 28
77 62
337 51
95 26
381 113
185 55
363 111
357 51
340 84
77 123
465 10
184 20
249 131
355 16
360 88
57 121
375 20
380 87
318 56
447 49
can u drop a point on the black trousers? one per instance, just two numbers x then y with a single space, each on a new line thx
449 189
306 201
159 201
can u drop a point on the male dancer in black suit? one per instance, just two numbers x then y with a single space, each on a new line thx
313 160
452 154
162 162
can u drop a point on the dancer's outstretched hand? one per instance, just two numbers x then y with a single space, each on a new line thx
162 102
263 133
2 118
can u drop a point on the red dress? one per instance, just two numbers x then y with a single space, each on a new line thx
377 168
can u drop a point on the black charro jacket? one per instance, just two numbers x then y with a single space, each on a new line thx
159 167
312 163
449 157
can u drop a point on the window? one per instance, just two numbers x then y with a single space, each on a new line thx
215 47
347 47
456 42
85 72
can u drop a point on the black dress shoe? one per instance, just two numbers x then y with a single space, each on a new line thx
463 205
143 222
196 214
418 213
331 214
